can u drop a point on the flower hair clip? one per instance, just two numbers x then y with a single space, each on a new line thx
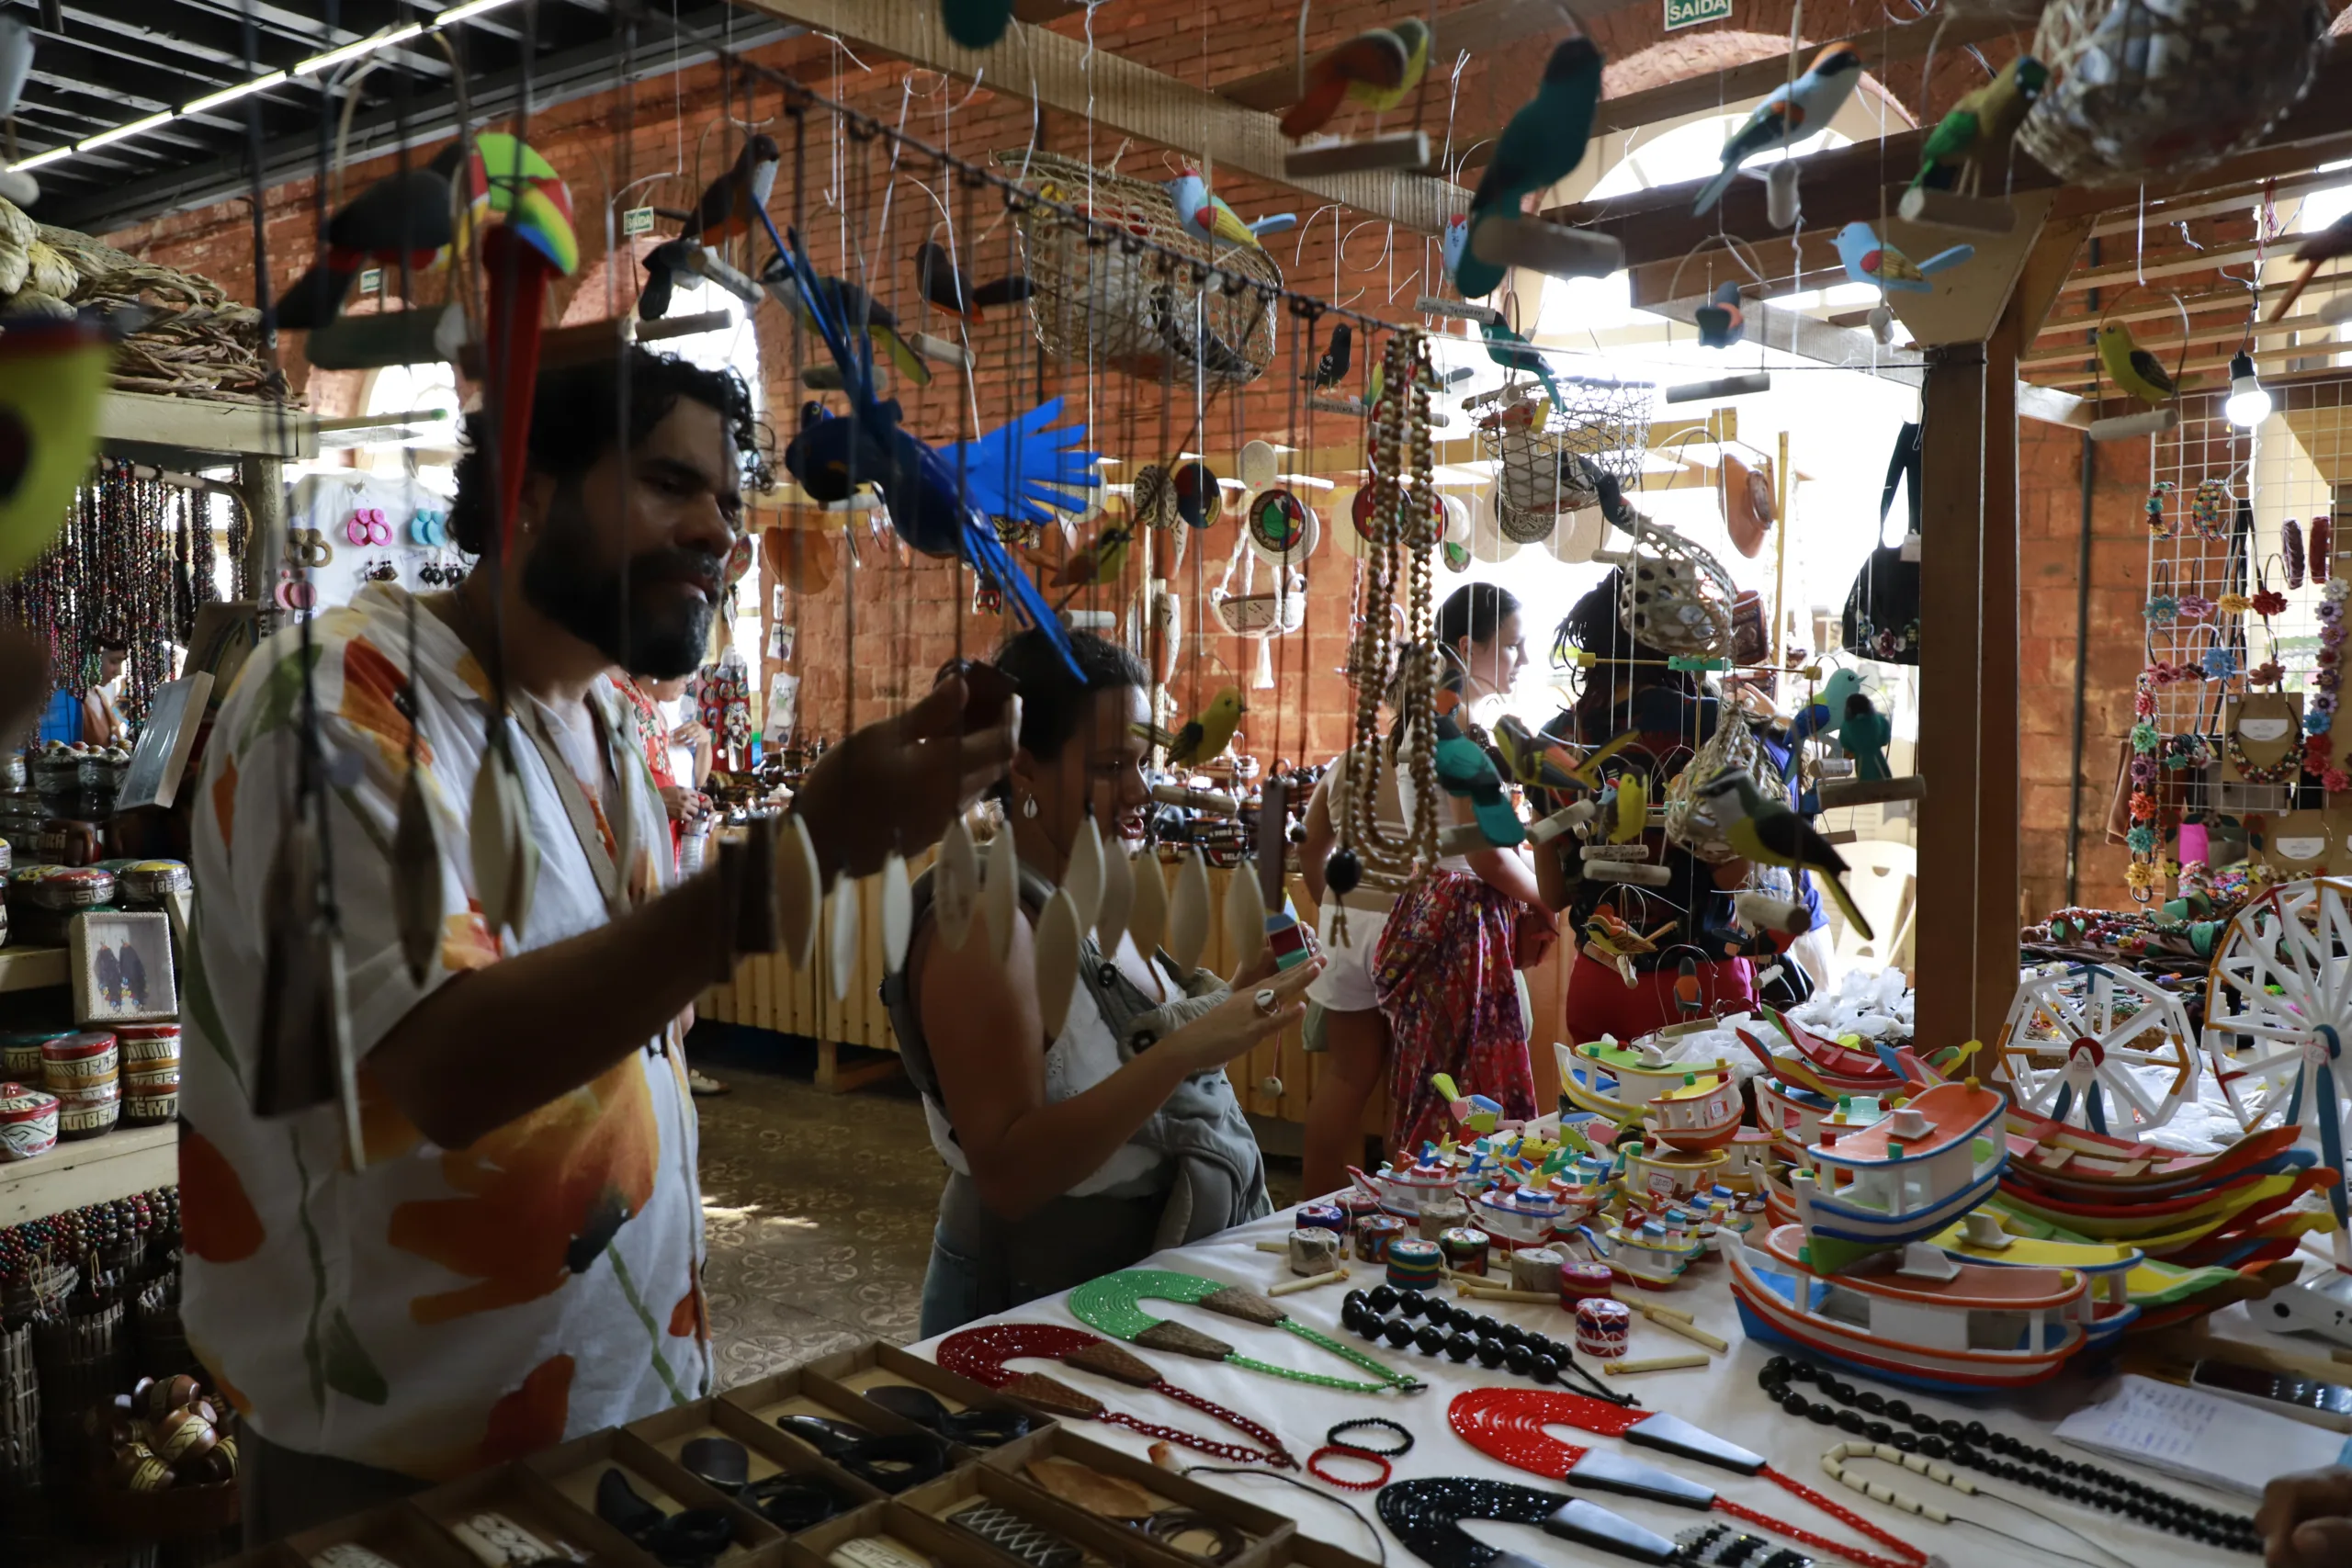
2194 607
2159 524
2233 605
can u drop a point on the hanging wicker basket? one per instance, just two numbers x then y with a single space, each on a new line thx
1672 594
1537 476
1689 822
2151 88
1115 302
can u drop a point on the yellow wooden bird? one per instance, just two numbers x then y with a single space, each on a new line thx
2134 368
1211 733
1765 831
1632 808
1099 562
1376 68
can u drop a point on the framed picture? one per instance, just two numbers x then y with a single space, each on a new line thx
123 968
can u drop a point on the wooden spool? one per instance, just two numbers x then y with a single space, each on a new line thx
1970 214
2130 426
1458 310
1640 873
1551 248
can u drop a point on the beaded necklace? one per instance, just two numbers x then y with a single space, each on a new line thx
1508 1424
1459 1333
1112 1303
1837 1466
1971 1445
980 1354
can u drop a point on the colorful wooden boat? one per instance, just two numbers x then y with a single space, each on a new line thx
1618 1082
1661 1176
1834 1059
1516 1217
1698 1115
1745 1159
1906 1175
1980 1237
1791 1110
1916 1316
1643 1250
1401 1192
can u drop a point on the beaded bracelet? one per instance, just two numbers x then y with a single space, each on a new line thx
1337 1450
1331 1440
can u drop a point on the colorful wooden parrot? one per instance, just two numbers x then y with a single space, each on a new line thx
533 244
730 202
940 503
403 215
1975 134
2135 370
52 373
1210 734
1536 760
1765 831
1206 218
1464 771
858 308
945 288
1512 351
1869 260
1376 69
1720 320
1792 112
1541 146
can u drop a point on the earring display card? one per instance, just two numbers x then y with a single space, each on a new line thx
1052 1462
2300 846
2267 728
472 1511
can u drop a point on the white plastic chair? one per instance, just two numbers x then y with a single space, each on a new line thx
1881 874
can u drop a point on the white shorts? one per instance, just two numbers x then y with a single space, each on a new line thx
1345 985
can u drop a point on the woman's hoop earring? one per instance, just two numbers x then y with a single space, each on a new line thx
1029 806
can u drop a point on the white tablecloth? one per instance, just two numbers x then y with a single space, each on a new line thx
1722 1398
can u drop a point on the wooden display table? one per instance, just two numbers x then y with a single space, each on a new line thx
90 1170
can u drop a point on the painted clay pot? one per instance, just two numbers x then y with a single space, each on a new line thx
87 1120
75 1061
27 1122
148 883
72 887
148 1045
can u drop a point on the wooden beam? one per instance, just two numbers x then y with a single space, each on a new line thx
1122 95
1479 28
1952 644
138 425
1998 789
2160 308
2229 332
1809 337
2081 375
2172 266
2053 407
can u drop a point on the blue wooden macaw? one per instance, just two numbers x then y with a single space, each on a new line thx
941 499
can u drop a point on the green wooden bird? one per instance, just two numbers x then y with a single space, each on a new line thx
1975 134
1765 831
1464 771
1211 733
1864 737
1541 146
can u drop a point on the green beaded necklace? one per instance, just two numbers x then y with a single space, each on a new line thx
1112 1303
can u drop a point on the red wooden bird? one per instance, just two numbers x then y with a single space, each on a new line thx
732 203
2330 243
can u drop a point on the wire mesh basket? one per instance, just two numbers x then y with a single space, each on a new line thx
1691 821
1672 594
1116 303
2124 69
1549 456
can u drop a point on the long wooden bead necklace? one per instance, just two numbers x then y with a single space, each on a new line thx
980 1354
1508 1424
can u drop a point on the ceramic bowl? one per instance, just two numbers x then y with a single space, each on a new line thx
151 1080
87 1120
88 1095
20 1053
150 882
27 1122
72 1061
151 1113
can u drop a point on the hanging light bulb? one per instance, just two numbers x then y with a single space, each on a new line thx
2249 400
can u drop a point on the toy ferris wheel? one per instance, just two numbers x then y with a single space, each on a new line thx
2099 1048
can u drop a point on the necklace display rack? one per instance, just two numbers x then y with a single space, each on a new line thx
1112 1303
980 1354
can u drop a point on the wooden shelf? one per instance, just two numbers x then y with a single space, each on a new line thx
31 968
89 1170
153 428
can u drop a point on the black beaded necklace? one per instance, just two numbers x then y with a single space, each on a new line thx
1971 1445
1460 1334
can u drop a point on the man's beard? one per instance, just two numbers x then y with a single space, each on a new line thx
643 637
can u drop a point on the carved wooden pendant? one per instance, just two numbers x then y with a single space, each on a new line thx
1000 893
1148 920
417 879
841 933
505 861
1245 915
898 913
1082 878
799 889
1118 899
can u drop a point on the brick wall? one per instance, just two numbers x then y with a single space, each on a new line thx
907 618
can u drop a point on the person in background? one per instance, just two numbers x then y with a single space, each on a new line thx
2306 1519
1074 1154
102 720
1344 1020
513 1258
1449 957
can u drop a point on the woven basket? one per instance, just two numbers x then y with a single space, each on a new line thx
20 1448
1690 822
85 1360
2151 88
1120 304
1607 422
1672 594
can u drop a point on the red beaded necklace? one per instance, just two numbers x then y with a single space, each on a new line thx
980 1354
1508 1424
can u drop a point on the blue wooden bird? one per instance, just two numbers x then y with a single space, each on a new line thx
1864 737
1541 146
1512 351
939 501
1721 322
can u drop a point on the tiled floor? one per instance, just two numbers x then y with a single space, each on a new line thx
818 1207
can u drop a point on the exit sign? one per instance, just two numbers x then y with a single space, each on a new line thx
636 221
1691 13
